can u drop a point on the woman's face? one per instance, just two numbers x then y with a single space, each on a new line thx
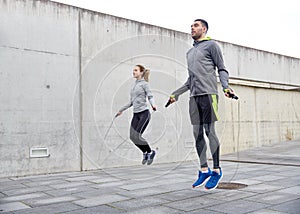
137 73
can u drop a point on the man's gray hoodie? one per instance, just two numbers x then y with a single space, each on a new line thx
202 60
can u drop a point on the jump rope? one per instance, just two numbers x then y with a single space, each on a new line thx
126 139
232 96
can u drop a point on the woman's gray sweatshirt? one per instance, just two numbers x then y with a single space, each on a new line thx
138 94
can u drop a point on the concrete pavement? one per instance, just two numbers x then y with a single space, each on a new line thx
271 173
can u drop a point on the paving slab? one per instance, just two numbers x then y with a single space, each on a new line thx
137 203
289 154
50 209
292 207
266 211
231 195
8 207
100 200
273 198
96 210
196 203
98 192
7 186
69 185
155 210
182 194
54 200
292 190
22 197
262 188
44 183
238 206
100 180
26 190
69 191
83 178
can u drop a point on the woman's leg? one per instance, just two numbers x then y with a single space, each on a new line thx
142 125
138 125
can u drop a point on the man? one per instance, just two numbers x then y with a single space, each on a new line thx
203 59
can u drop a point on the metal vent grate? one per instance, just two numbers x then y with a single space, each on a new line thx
231 185
39 152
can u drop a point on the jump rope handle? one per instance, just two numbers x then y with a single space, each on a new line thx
232 96
169 101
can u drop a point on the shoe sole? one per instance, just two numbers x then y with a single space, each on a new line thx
216 185
150 161
200 185
144 162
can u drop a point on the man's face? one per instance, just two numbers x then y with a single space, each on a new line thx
197 30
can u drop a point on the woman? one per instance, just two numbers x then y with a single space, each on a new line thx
141 115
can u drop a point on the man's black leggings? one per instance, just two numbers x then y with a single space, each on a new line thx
201 144
139 123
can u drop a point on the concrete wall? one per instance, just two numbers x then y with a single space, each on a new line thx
66 71
39 69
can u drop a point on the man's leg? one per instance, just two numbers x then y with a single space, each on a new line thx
201 147
213 144
209 107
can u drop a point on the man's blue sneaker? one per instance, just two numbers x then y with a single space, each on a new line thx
214 180
151 157
202 178
145 158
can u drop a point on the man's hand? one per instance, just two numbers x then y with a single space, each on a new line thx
230 93
171 100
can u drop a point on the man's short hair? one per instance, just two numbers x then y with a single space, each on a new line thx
203 22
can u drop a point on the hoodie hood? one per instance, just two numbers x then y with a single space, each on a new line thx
199 41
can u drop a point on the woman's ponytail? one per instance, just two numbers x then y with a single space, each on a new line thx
146 75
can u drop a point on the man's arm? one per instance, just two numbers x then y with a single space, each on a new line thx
185 87
218 60
217 57
224 76
175 94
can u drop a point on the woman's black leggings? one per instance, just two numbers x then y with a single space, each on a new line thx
139 123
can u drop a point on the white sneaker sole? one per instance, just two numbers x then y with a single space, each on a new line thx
200 185
216 185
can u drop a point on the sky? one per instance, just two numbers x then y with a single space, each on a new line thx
270 25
